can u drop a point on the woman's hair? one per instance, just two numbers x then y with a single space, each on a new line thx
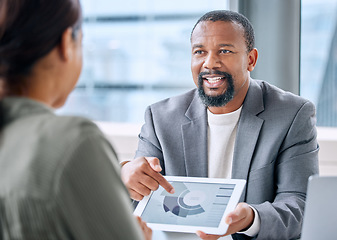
29 29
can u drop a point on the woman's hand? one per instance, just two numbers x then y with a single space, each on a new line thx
147 232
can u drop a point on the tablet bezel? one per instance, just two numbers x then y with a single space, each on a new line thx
221 229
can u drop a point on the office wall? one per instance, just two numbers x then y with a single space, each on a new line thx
277 30
327 139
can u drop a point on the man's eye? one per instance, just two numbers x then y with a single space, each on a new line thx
198 52
225 51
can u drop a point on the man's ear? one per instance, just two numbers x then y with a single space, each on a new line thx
66 45
252 59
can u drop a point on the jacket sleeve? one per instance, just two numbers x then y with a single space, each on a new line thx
296 161
148 143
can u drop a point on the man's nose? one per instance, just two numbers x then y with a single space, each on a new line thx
212 61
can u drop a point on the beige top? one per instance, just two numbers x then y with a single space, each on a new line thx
59 178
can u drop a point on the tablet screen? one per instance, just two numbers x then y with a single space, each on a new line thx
197 204
192 204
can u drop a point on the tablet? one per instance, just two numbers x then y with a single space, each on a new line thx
197 204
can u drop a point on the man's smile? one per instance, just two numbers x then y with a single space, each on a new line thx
213 81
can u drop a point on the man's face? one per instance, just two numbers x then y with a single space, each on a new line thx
220 63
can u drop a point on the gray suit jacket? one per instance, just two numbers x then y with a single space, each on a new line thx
275 150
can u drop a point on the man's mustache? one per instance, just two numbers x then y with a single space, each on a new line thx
215 72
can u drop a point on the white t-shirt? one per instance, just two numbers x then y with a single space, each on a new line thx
221 140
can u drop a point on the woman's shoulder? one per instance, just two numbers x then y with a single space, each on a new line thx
72 125
68 127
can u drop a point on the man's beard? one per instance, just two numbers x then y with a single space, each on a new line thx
220 100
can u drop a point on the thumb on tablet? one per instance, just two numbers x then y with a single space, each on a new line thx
154 163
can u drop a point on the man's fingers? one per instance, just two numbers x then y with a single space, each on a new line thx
205 236
150 182
163 182
238 214
154 163
142 190
146 184
241 218
135 195
233 217
143 175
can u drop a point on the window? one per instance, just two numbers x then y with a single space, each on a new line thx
136 52
319 58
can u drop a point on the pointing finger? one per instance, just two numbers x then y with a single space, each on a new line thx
163 182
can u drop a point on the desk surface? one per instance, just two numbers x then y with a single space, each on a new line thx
160 235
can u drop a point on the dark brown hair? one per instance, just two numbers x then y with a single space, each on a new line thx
29 29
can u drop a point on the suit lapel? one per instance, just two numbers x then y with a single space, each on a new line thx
194 134
249 128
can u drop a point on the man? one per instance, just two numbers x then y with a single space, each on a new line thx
231 126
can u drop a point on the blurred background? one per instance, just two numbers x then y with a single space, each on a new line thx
137 52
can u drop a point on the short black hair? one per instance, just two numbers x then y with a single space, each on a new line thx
230 16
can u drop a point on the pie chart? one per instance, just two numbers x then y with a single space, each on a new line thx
186 203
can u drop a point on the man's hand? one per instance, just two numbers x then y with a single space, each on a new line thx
142 175
238 220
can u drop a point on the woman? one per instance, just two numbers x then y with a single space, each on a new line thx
59 176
